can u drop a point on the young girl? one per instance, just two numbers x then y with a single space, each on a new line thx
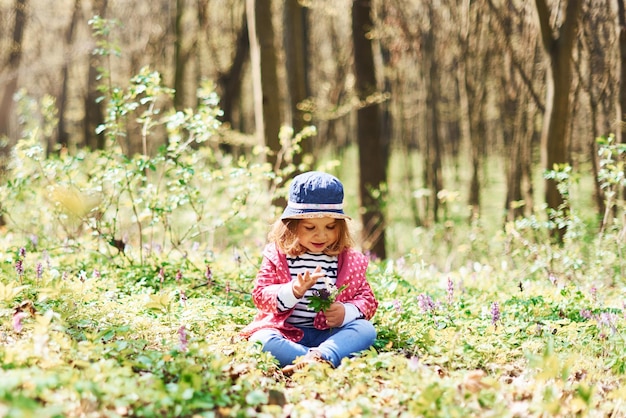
310 253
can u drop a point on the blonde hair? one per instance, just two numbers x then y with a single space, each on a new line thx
283 233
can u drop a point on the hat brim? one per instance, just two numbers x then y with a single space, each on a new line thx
300 214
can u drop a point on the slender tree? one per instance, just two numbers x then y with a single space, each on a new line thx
473 70
94 111
373 151
62 100
12 66
179 61
230 80
621 16
558 43
265 75
295 35
597 80
621 116
433 174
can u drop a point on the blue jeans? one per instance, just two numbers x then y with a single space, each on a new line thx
334 344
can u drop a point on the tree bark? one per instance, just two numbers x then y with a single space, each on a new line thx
554 143
295 38
265 62
62 135
373 151
230 81
12 67
179 62
432 164
474 47
621 16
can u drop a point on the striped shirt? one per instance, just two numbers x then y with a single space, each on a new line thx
302 316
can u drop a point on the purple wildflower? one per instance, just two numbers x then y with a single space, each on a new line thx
17 320
208 275
495 313
34 240
96 274
414 363
450 291
607 319
179 276
19 268
594 293
552 278
401 263
182 338
161 275
22 252
183 298
585 313
227 289
39 270
425 302
323 294
398 306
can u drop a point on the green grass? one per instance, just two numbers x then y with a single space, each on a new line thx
105 343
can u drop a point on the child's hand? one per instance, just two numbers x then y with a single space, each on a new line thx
335 315
306 281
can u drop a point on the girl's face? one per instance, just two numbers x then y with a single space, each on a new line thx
318 233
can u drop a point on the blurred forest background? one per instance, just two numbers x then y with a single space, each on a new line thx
452 82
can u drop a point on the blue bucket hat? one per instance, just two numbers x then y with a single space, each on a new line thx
315 195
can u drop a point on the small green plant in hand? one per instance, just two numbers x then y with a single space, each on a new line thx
323 298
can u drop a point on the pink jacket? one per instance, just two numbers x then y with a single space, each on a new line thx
274 272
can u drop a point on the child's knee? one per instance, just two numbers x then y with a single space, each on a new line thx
366 329
264 336
371 331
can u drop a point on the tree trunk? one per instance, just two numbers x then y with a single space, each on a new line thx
265 64
432 164
621 16
62 135
94 109
558 49
514 137
230 81
373 151
476 93
476 50
12 68
179 62
296 53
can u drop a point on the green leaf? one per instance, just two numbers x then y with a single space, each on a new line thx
257 397
9 291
